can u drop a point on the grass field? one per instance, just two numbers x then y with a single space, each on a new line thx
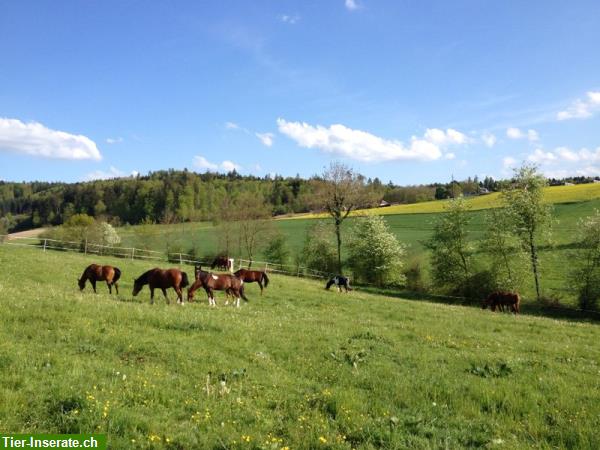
552 194
410 229
305 368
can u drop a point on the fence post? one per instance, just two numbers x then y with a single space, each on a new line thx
266 266
132 252
180 260
45 240
85 248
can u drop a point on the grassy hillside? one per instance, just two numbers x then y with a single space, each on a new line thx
552 194
304 368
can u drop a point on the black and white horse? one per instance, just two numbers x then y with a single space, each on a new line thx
340 282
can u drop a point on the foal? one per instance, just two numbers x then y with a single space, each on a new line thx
211 282
251 276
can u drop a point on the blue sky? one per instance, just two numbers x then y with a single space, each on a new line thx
408 91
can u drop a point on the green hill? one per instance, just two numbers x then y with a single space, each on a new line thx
302 367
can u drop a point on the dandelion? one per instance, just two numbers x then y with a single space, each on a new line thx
322 440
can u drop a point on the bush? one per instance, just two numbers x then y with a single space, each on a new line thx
415 280
277 250
585 277
319 251
375 255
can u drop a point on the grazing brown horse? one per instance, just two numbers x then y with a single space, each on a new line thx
220 262
501 299
231 284
251 276
162 279
95 272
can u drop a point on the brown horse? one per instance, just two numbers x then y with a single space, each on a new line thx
232 285
251 276
162 279
95 272
221 262
501 299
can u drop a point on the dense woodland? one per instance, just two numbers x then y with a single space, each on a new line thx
171 195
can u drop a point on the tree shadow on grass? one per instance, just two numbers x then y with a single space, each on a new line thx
533 309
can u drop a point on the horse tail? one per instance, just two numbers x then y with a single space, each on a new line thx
265 279
242 293
184 280
117 275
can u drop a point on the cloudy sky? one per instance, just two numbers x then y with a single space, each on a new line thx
409 91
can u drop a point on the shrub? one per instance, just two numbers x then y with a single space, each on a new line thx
277 250
374 253
319 252
415 280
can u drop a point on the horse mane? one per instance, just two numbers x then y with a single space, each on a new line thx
144 277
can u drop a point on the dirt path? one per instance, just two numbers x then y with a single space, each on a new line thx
27 233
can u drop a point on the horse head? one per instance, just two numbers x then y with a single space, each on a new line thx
81 283
137 286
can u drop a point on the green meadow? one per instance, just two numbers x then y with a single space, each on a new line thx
298 368
410 229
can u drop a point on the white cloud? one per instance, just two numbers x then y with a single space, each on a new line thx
441 137
230 166
450 155
116 140
563 161
231 126
351 4
488 139
516 133
581 109
35 139
112 172
265 138
291 19
363 146
201 162
509 162
539 156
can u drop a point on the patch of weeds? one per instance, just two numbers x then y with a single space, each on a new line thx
64 413
87 349
499 370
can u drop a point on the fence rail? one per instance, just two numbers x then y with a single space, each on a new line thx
137 253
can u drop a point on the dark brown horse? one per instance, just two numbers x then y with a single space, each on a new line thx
162 279
251 276
501 299
95 272
231 284
221 262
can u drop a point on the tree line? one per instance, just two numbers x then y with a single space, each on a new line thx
180 195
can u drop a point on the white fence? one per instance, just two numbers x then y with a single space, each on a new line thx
85 247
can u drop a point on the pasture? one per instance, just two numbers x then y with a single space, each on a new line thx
410 229
301 367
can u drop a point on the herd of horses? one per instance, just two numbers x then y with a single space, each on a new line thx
233 284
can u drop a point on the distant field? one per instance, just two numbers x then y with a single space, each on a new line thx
552 194
303 367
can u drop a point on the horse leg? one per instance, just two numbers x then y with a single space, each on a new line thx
116 285
179 295
94 285
164 291
152 296
109 287
261 286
